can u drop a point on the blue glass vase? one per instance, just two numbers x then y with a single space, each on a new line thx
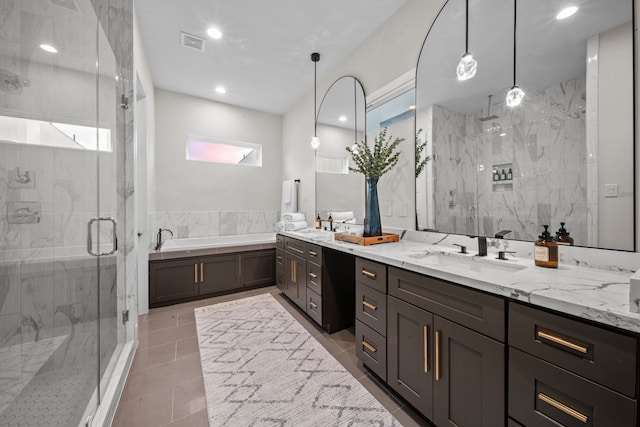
372 225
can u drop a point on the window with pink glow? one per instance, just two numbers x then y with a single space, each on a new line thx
229 152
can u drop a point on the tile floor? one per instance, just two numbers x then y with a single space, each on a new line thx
165 385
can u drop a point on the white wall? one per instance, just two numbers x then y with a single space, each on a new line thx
615 155
388 53
183 185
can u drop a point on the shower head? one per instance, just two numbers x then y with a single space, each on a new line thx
489 116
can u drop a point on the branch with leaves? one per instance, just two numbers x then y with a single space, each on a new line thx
374 164
420 163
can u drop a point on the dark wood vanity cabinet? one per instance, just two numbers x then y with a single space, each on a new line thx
179 280
319 281
568 372
440 359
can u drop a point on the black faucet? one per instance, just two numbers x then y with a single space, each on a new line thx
500 234
159 237
482 245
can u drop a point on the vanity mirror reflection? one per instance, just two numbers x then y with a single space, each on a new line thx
341 122
565 154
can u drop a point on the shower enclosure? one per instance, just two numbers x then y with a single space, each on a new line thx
66 211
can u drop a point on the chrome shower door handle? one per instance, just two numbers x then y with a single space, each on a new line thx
114 242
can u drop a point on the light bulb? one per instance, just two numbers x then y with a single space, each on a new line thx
467 67
355 149
566 12
514 96
315 142
214 33
48 48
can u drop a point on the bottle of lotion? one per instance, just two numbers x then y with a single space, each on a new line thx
562 236
546 250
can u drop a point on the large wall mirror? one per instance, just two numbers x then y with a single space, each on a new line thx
565 154
341 122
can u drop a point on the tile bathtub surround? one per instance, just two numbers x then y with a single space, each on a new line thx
165 386
212 223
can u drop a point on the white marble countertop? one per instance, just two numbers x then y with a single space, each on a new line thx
597 294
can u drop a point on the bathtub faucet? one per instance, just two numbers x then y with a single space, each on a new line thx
159 237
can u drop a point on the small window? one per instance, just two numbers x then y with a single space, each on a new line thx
326 163
229 152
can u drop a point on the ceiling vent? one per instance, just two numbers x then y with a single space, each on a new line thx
193 42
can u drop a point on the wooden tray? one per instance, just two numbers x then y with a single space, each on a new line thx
366 241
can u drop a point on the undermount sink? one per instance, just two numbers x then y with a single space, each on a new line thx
474 263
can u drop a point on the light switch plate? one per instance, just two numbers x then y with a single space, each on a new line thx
611 190
388 211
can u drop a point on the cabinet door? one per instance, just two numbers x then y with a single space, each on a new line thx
173 280
219 273
410 354
258 268
295 271
469 386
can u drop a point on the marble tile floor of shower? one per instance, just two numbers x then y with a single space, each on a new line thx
165 385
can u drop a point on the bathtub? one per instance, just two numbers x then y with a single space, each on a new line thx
196 246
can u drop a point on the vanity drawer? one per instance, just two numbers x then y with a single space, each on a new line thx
476 310
371 308
371 349
371 274
314 278
279 259
295 246
314 253
601 355
314 306
541 394
280 241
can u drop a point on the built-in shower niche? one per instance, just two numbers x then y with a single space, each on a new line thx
502 177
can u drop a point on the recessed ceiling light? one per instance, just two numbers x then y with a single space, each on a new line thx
342 118
48 48
221 89
214 33
567 12
412 107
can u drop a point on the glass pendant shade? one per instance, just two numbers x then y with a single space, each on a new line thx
467 67
355 149
315 142
514 96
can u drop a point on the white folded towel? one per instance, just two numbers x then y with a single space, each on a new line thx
279 226
295 225
342 216
292 217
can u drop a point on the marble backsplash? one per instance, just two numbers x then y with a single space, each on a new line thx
542 141
185 224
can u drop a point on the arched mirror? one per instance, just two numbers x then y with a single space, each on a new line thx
341 122
564 155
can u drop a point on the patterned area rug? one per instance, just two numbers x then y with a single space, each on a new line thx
262 368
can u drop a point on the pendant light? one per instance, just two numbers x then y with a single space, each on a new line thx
467 66
354 147
515 95
315 142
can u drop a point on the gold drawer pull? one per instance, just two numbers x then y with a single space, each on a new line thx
312 253
369 305
369 346
313 275
195 273
564 408
202 272
562 342
369 274
437 339
313 305
426 348
279 258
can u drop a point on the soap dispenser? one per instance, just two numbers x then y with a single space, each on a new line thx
562 236
318 222
330 222
546 250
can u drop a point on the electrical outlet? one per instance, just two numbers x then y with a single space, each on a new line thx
611 190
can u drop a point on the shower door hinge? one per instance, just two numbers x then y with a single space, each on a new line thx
124 102
125 316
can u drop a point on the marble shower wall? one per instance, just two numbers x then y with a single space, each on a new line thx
544 143
213 223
